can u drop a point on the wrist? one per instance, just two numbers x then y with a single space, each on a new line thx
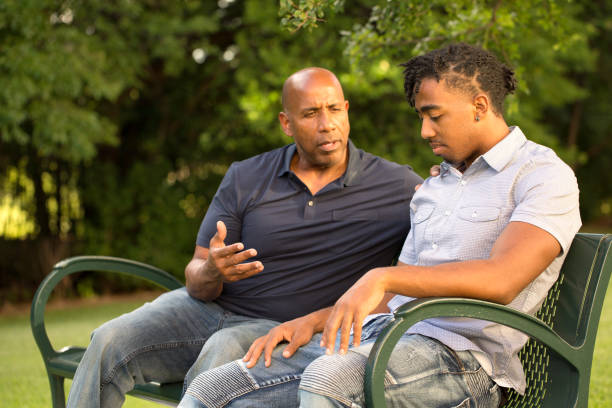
317 319
209 272
380 278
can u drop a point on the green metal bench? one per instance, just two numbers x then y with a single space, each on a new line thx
557 364
557 358
61 364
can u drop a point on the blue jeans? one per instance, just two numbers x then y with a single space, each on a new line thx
171 339
422 372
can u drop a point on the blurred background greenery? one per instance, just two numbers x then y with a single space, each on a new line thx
118 118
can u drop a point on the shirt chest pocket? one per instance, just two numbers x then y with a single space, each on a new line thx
422 213
476 231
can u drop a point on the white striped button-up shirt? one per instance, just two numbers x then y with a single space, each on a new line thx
459 216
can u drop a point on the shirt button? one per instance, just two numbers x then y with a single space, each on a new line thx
474 214
446 212
463 182
434 246
310 203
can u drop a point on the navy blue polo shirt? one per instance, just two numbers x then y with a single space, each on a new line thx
313 247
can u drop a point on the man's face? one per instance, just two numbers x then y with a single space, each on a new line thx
316 117
447 122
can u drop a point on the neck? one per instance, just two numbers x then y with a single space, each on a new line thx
317 177
490 133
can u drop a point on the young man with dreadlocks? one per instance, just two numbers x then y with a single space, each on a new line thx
495 224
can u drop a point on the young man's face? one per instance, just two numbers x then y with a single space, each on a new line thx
447 122
317 120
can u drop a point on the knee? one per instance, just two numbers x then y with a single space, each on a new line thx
111 337
218 387
222 347
337 376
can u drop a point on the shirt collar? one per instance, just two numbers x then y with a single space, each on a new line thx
502 153
499 155
350 176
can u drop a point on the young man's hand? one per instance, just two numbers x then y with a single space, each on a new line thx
350 311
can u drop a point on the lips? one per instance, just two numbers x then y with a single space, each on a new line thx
435 146
329 146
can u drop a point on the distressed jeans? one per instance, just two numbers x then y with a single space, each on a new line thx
171 339
422 372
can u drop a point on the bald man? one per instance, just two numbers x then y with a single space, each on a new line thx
287 233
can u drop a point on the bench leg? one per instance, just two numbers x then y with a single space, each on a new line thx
58 399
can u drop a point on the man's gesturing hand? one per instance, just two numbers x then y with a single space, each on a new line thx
350 310
226 261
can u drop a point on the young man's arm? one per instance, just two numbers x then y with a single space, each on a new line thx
519 255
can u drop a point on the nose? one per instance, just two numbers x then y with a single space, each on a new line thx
326 122
426 129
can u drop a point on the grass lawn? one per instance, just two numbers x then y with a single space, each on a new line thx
23 382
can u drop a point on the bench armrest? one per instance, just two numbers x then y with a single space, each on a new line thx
81 264
420 309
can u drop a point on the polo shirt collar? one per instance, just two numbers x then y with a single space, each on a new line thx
502 153
499 155
351 175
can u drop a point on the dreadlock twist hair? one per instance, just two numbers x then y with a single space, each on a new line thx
464 67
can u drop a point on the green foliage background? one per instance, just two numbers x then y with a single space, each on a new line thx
118 118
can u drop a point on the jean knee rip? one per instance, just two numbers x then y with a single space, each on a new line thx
338 376
217 387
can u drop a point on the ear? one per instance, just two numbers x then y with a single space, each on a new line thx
481 106
285 123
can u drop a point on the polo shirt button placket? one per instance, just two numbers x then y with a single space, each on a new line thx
309 209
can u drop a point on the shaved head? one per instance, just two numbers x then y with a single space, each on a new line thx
304 78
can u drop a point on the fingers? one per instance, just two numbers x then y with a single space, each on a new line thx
297 341
345 332
265 345
231 255
242 271
328 339
417 187
218 240
269 348
252 356
357 325
221 230
435 170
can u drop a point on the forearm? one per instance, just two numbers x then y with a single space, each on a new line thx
519 255
472 279
202 282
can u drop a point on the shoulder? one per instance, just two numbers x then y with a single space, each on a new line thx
375 166
260 167
261 161
540 165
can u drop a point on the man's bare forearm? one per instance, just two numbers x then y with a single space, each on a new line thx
202 282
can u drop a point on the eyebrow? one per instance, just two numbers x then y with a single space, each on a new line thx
317 108
427 108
